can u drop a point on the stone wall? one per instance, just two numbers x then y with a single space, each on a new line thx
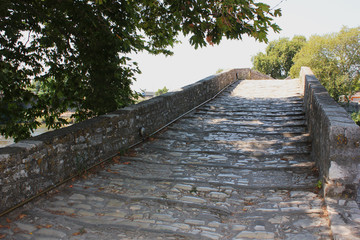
38 163
335 138
351 107
254 75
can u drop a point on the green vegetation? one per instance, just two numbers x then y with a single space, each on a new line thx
161 91
75 53
219 70
334 59
319 184
278 57
193 190
356 117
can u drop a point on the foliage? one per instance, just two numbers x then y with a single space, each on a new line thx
334 59
161 91
60 55
319 185
278 58
219 70
356 117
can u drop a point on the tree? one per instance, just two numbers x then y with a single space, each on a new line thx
161 91
74 53
278 58
334 59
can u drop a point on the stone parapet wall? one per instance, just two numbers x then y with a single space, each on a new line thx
255 75
38 163
351 107
335 138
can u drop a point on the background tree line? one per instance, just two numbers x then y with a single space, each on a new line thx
334 59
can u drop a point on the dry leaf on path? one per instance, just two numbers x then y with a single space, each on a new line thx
17 230
116 159
21 216
43 226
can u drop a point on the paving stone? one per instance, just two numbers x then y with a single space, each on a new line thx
135 207
145 220
207 229
205 189
94 198
194 222
274 199
279 219
211 235
82 206
115 203
192 199
166 227
164 217
356 217
51 233
27 227
214 224
66 210
259 228
85 213
25 236
59 203
268 209
352 204
290 209
77 196
46 238
218 195
119 214
255 235
308 223
238 227
342 202
181 226
134 216
306 236
183 187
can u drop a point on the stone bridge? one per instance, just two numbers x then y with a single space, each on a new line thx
224 158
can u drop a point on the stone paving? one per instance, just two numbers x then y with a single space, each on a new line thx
235 168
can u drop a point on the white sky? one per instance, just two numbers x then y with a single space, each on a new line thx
187 65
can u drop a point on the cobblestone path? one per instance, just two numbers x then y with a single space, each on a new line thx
236 168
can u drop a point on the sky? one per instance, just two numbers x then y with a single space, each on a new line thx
187 65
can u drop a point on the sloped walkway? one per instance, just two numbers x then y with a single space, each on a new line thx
236 168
